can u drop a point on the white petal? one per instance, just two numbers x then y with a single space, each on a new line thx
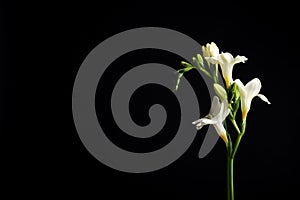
221 131
264 98
199 126
225 114
221 111
245 104
208 121
239 59
241 87
196 122
252 88
214 50
205 52
227 73
218 116
226 110
219 128
227 58
215 106
202 122
212 60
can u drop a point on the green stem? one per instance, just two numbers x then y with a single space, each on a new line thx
238 140
231 151
236 146
230 188
230 178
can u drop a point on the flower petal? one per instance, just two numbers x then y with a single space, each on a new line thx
252 88
215 106
221 131
212 60
239 59
197 121
208 121
245 103
226 58
214 50
241 87
205 52
202 122
264 98
199 126
226 110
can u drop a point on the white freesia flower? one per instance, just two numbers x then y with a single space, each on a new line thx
247 93
210 50
218 113
226 61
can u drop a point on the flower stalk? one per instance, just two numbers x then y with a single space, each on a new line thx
230 186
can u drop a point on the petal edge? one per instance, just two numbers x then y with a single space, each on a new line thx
264 98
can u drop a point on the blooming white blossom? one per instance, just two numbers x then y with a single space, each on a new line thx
226 61
247 93
210 50
218 113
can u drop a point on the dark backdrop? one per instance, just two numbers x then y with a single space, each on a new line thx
45 44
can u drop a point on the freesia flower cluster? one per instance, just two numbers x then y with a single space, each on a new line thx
234 94
228 100
246 92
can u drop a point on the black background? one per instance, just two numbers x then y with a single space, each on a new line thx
43 47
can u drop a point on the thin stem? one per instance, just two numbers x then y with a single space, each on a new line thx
236 146
238 140
230 177
230 189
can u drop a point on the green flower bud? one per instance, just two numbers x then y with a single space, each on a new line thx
220 91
